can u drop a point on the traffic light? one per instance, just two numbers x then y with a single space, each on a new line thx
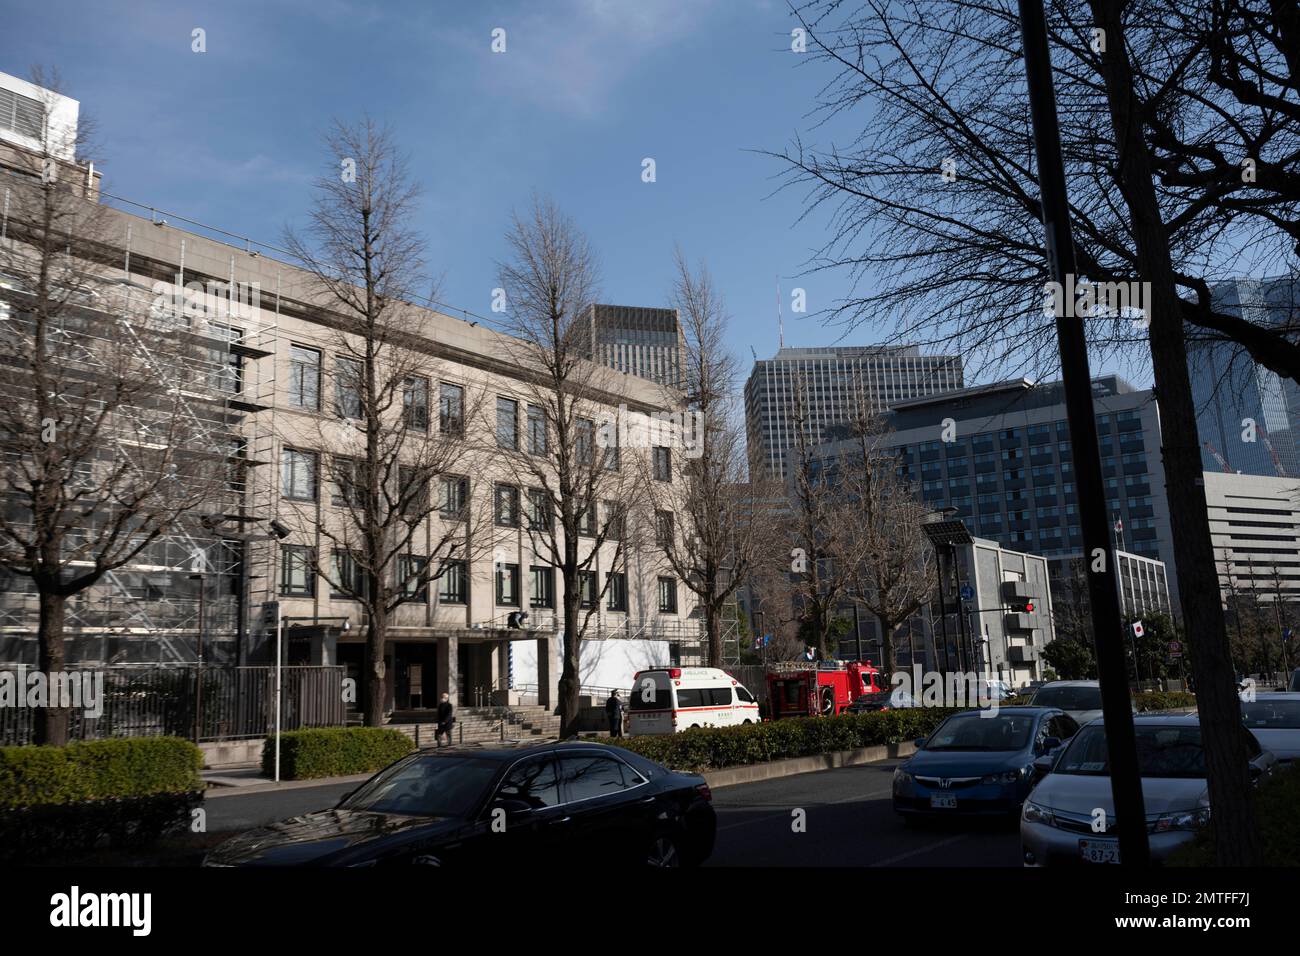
1026 607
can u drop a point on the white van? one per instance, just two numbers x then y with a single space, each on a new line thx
665 700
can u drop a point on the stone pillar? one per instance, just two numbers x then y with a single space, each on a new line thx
548 674
448 660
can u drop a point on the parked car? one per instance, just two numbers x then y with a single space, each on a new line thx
555 802
1294 686
1274 719
1057 823
1081 699
979 762
895 699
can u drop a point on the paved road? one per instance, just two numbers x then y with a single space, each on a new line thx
848 821
847 815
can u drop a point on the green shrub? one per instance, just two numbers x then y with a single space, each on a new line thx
1279 826
125 792
334 751
713 748
1154 700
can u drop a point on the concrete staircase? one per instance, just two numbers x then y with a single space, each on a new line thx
482 725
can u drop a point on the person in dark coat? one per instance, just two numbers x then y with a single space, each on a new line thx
614 711
446 717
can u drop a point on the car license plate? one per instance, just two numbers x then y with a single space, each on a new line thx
943 801
1099 851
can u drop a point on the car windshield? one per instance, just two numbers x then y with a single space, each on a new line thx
426 786
1069 698
1162 751
975 732
1264 714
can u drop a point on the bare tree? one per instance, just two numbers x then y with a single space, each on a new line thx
713 524
882 547
110 431
577 486
945 223
395 527
815 527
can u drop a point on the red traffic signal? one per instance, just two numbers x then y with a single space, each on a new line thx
1026 608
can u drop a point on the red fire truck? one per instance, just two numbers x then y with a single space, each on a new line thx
812 688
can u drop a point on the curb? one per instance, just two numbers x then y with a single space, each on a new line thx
222 788
752 773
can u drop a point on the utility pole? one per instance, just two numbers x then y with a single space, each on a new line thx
1099 551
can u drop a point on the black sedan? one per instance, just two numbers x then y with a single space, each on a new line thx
585 803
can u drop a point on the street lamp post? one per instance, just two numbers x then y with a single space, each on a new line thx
198 651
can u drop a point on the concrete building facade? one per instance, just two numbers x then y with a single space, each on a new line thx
832 379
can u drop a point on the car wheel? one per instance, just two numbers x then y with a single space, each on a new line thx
746 722
663 853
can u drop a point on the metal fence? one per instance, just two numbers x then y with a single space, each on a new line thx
197 703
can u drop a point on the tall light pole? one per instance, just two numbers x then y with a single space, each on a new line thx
1098 546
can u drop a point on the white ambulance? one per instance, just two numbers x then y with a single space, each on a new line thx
665 700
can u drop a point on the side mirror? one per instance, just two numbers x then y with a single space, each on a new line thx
1043 765
1050 744
919 742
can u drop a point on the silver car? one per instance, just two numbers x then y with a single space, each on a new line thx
1275 720
1081 699
1069 816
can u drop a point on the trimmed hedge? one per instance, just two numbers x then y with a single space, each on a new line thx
1279 826
713 748
125 792
334 751
1154 700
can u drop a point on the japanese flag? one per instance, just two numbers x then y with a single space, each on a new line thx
1138 629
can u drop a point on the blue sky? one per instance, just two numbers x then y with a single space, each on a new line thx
585 90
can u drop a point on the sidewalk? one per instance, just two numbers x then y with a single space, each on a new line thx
230 781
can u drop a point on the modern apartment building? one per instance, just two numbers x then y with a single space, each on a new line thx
269 383
644 342
1247 417
1255 527
832 381
1000 455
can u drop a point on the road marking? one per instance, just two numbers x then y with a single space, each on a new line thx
925 849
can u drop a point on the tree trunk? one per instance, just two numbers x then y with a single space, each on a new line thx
1231 793
50 723
376 669
570 674
888 652
713 634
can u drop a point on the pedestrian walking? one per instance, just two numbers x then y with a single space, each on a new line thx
446 717
614 711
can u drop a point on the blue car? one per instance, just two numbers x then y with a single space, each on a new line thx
979 762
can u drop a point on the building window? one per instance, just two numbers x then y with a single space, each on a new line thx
508 585
413 492
350 577
587 521
415 403
507 506
585 442
298 474
664 529
615 522
347 387
296 576
228 374
508 424
667 596
663 464
536 430
453 496
539 510
349 490
453 583
451 410
304 377
588 594
410 568
616 591
543 589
